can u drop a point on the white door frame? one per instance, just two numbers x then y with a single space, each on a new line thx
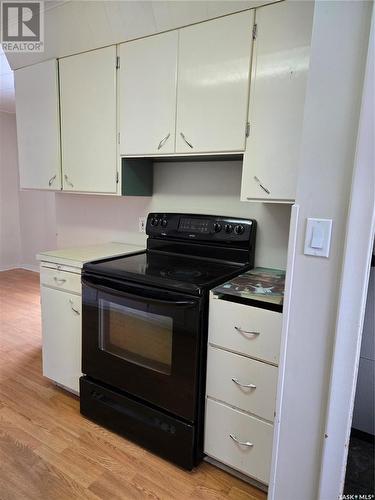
353 294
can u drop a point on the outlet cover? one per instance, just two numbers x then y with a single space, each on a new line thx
142 224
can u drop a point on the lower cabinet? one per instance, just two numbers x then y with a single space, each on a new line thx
61 328
242 374
242 382
238 440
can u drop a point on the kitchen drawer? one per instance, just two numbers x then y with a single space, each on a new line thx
61 280
225 371
223 422
245 329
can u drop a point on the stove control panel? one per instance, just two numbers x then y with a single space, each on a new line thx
200 227
194 225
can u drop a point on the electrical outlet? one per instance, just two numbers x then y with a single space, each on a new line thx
142 224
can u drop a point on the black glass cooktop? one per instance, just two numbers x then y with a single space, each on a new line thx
185 274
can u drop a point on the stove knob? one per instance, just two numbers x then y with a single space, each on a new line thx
154 222
164 223
228 228
239 229
217 227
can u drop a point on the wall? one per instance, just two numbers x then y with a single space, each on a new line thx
203 187
37 224
32 221
10 239
333 98
27 218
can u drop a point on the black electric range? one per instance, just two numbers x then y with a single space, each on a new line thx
144 330
167 270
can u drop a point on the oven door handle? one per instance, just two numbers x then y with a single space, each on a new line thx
143 298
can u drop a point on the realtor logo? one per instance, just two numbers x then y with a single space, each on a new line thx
22 28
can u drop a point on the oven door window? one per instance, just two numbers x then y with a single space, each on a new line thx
139 337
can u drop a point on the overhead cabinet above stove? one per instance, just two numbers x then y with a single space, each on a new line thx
186 91
88 121
147 88
280 66
227 88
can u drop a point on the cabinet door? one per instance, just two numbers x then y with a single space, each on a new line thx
61 331
88 121
213 84
37 112
277 94
148 72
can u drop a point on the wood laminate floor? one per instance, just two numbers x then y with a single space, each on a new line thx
48 451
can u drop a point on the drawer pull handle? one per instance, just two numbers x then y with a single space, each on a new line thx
241 443
163 141
68 181
59 281
186 141
247 386
246 333
261 185
50 182
73 308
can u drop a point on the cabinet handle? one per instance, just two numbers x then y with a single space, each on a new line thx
59 281
68 181
241 443
247 386
73 308
163 141
51 180
187 142
245 332
261 185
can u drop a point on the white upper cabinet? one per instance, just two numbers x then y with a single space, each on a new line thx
147 87
213 84
277 94
37 112
88 121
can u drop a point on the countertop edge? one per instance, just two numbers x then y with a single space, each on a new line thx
66 261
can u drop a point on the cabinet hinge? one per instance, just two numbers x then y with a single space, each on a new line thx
247 129
117 177
117 62
255 31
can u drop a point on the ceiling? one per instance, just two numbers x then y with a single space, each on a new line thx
76 26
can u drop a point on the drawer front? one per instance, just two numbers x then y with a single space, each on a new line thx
225 373
244 329
223 422
60 267
61 280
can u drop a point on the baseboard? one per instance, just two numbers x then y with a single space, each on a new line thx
8 268
34 269
27 267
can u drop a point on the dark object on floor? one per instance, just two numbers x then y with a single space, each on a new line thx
360 467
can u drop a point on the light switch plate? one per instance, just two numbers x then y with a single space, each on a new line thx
318 237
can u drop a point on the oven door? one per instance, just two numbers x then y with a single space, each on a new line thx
144 341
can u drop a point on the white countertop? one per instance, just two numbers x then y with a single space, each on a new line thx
77 256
